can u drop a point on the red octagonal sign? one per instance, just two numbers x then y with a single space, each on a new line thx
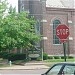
62 32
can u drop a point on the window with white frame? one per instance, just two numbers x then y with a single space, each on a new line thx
55 38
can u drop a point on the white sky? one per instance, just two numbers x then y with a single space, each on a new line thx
14 3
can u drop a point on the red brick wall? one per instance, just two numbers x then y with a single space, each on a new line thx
63 16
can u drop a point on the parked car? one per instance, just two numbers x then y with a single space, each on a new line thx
61 69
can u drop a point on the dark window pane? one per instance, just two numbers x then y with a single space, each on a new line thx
57 41
56 37
54 31
37 27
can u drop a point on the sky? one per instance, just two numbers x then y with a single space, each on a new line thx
14 3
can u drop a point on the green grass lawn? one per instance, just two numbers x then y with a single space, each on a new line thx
50 62
4 65
59 60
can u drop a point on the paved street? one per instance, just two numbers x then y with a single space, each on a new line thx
30 68
23 72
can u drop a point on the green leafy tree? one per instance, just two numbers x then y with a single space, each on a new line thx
17 30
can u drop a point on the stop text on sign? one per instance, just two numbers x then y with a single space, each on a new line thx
62 31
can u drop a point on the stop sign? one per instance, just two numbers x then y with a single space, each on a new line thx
62 32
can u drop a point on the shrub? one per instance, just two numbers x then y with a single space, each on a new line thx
62 57
12 57
70 57
50 57
45 56
39 59
3 55
17 56
56 57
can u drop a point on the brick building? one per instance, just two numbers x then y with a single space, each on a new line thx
48 18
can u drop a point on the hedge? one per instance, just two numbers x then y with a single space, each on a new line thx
50 57
45 56
60 57
56 57
12 56
2 54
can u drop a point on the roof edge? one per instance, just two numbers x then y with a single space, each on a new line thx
64 9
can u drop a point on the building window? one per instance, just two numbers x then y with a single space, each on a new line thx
55 38
37 27
37 30
22 7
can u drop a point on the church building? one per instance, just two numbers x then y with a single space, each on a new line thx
49 14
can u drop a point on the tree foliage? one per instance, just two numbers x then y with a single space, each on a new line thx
17 30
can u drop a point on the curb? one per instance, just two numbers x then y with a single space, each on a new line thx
33 67
23 69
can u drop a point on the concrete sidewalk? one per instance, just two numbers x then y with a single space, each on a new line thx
27 66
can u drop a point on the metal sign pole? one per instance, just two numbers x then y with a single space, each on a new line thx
64 47
42 54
